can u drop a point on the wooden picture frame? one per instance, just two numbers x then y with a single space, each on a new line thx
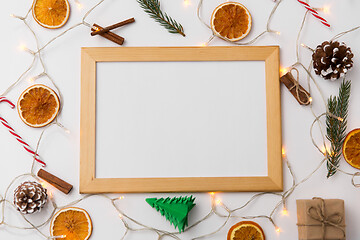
91 56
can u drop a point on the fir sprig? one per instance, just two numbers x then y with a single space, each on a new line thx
152 7
336 125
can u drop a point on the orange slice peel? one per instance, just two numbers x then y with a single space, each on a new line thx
231 21
71 224
38 106
51 14
246 230
351 148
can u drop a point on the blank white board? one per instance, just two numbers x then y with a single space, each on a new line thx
181 119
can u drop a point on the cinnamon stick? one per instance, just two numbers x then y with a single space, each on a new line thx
107 29
55 181
109 35
300 94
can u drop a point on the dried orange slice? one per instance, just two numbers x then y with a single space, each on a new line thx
351 148
74 223
231 20
51 13
246 230
38 106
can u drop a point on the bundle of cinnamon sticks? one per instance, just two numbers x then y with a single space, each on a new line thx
105 32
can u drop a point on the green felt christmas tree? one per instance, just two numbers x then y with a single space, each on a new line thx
175 209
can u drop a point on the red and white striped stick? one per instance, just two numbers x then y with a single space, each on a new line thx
18 138
314 13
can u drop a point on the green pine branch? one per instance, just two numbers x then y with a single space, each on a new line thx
152 7
336 128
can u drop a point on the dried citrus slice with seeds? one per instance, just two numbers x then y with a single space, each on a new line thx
51 13
351 148
71 224
38 106
246 230
231 20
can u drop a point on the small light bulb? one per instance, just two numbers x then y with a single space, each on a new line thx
212 193
121 198
326 9
283 152
203 44
32 79
79 5
310 100
218 202
285 212
12 15
187 3
43 184
283 70
277 229
22 47
324 150
278 33
121 216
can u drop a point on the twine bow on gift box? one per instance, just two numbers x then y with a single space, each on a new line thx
318 214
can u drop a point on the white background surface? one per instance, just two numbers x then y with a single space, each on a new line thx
61 150
180 125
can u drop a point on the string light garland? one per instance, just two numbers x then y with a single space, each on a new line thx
216 203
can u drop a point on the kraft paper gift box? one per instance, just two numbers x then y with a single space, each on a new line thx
321 219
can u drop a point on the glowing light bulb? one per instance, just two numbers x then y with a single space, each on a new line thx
326 9
121 198
79 5
51 195
283 70
277 229
278 33
310 100
203 44
121 216
212 193
218 202
57 237
12 15
285 212
283 152
32 79
324 150
187 3
22 47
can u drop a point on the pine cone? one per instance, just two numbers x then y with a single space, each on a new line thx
30 197
332 60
